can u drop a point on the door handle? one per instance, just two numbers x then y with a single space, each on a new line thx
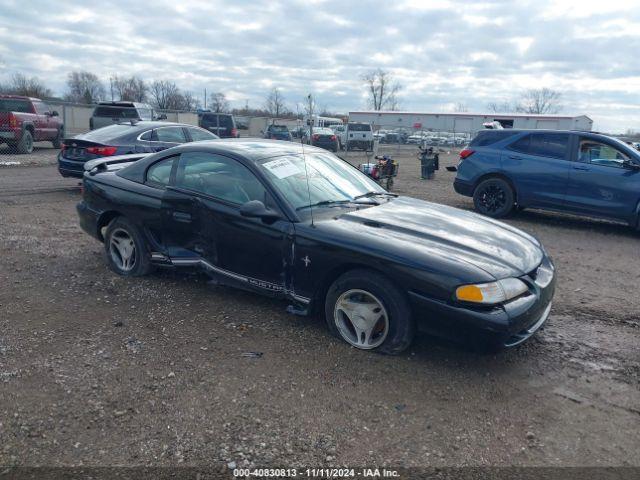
182 217
581 167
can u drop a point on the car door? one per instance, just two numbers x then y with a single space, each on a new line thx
203 223
538 164
603 181
41 122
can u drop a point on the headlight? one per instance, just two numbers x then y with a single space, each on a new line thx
491 293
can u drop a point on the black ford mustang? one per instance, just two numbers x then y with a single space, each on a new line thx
309 227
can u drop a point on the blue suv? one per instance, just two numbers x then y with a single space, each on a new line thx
584 173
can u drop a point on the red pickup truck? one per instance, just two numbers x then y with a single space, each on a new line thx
24 120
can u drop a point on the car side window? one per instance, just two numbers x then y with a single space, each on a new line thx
41 108
198 134
521 145
598 153
159 174
170 135
552 145
219 177
147 136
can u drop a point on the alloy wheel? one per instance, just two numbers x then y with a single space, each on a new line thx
361 319
493 198
122 250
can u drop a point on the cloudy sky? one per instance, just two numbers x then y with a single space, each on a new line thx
442 52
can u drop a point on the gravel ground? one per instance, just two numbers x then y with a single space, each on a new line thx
101 370
43 154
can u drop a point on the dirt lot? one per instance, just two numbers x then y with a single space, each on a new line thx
101 370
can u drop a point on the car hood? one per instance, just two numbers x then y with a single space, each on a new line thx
423 229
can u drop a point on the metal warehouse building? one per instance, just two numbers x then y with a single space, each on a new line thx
468 122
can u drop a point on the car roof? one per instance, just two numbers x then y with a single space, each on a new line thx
252 150
137 127
19 97
143 124
122 103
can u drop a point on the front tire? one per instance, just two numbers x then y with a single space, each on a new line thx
494 197
367 311
57 142
125 249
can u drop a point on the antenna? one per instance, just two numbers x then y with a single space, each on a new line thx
304 160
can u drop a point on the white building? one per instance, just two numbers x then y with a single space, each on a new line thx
467 122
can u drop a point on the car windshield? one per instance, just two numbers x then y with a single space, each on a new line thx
330 179
278 128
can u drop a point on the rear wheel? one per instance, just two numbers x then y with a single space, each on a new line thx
367 311
125 249
25 145
494 197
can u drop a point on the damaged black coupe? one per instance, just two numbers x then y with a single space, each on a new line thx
299 223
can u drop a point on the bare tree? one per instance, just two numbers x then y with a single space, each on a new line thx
165 95
218 102
28 86
382 90
84 87
500 107
189 102
461 107
274 103
131 89
540 101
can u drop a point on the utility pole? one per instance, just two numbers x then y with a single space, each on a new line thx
205 98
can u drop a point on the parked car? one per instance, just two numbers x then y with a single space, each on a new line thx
221 124
122 139
24 120
301 224
341 133
584 173
359 136
108 113
277 132
324 138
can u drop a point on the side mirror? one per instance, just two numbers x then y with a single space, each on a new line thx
630 165
257 209
54 113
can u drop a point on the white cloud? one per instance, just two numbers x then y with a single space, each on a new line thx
443 52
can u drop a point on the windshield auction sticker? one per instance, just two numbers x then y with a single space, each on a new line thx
282 168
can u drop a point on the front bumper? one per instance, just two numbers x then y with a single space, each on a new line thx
508 325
